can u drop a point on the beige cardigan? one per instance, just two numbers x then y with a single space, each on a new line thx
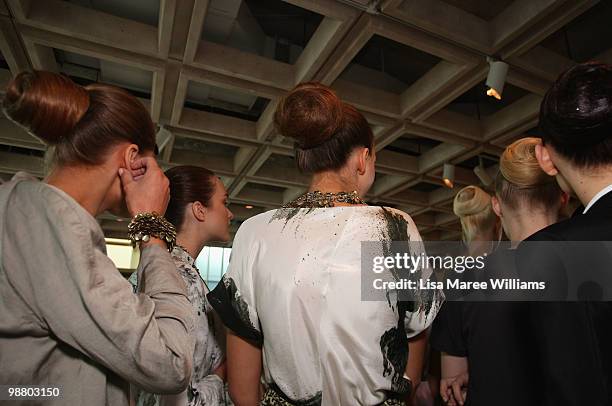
68 317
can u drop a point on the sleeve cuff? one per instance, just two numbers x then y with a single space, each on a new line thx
224 300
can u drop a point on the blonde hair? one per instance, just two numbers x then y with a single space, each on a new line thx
473 207
518 164
520 178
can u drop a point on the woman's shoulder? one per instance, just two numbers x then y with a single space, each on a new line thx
50 198
397 217
365 216
363 212
395 212
33 199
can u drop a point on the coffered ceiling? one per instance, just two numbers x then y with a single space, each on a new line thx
211 72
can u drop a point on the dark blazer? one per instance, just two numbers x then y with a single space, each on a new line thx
573 340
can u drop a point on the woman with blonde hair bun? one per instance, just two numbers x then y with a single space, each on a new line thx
492 336
526 198
479 223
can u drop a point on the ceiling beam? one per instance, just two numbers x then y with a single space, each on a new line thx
11 47
165 26
524 110
358 35
442 19
525 23
74 21
232 62
12 163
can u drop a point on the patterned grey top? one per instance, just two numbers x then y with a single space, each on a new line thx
206 388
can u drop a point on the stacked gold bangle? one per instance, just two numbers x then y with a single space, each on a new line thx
146 225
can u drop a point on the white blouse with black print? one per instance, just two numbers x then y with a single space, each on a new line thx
293 287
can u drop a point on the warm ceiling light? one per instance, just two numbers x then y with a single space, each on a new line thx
496 79
448 175
492 92
248 206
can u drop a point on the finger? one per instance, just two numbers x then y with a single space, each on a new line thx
137 178
138 174
138 171
126 177
456 386
444 390
451 400
142 163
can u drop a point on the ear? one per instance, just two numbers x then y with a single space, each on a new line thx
543 157
199 211
129 155
496 206
362 158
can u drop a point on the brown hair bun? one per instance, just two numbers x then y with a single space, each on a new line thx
46 104
311 114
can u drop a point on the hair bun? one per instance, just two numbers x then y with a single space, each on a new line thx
518 164
46 104
471 200
311 114
576 109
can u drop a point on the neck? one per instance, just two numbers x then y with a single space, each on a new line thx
191 242
331 182
527 222
481 243
587 185
88 187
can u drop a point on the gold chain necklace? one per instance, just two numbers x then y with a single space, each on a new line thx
327 199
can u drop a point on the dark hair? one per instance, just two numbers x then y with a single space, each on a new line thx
521 181
576 115
82 123
325 129
188 184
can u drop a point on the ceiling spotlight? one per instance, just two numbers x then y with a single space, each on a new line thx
248 206
448 175
482 173
496 77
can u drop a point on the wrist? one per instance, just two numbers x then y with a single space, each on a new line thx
147 227
153 241
135 212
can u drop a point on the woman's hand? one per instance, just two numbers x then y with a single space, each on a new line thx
145 186
454 389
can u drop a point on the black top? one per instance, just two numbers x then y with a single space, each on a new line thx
572 340
492 336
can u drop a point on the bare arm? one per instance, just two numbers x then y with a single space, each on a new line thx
454 379
243 370
417 346
453 366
